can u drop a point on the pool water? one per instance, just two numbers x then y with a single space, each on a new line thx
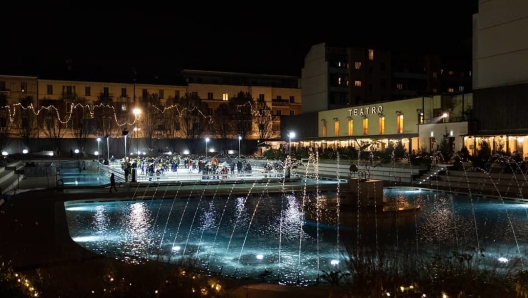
269 235
74 177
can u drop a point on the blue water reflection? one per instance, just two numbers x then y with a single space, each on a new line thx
83 178
287 238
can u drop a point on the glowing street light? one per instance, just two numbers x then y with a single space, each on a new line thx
206 141
239 138
290 136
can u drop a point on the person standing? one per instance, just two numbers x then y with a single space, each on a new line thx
112 182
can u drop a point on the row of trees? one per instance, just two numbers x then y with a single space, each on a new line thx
184 118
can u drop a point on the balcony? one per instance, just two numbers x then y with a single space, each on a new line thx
105 97
69 95
280 102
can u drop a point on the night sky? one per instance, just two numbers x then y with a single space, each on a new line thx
267 37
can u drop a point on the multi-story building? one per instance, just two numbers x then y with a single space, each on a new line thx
500 79
128 104
338 77
282 94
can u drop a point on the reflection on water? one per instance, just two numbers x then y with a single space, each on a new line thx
253 235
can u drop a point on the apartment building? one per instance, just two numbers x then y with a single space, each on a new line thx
337 77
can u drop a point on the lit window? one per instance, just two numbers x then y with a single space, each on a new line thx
470 73
399 86
350 127
451 90
365 126
371 54
336 128
225 97
340 81
461 88
399 123
435 75
451 72
357 83
324 128
382 125
357 65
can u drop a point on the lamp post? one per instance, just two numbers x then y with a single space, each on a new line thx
206 141
125 134
239 138
136 115
98 142
107 149
290 136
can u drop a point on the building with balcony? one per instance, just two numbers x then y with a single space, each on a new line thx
336 77
282 94
150 108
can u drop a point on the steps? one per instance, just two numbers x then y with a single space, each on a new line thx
8 177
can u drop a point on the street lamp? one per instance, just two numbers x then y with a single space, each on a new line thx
239 138
206 141
290 136
136 115
98 142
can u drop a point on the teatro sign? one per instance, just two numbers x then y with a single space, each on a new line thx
366 111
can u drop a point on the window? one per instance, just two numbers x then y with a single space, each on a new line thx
371 54
210 95
210 111
87 91
382 66
3 86
357 65
383 83
340 81
161 94
177 94
357 83
336 128
435 75
279 112
123 92
399 123
69 90
461 88
194 94
49 89
279 97
365 126
225 97
292 113
105 90
23 87
261 96
435 90
324 129
350 127
451 90
292 99
370 88
381 125
399 86
145 93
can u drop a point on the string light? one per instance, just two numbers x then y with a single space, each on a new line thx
91 109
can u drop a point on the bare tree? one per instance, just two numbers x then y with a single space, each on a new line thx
52 121
241 117
4 122
264 119
221 125
151 120
82 123
25 122
172 122
193 120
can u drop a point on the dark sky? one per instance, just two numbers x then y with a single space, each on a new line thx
263 37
